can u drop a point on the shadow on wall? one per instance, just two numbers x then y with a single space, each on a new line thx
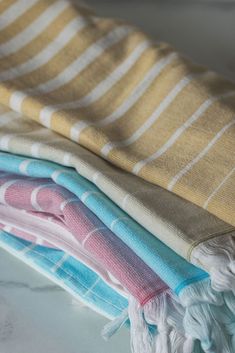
203 30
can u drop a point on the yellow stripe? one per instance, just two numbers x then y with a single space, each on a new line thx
84 82
119 92
5 4
65 57
171 120
138 115
122 88
54 67
225 197
24 20
206 184
146 105
40 42
187 147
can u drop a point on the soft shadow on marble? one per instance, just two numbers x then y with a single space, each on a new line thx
37 316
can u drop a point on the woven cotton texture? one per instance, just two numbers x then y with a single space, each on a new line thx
189 230
154 253
107 86
45 200
188 318
76 278
179 224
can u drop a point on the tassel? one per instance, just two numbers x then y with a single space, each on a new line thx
198 320
217 256
167 314
207 318
113 326
141 337
188 346
156 313
230 322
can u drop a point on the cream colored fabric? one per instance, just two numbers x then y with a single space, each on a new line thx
108 87
178 223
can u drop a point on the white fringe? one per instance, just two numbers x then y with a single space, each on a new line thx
113 326
217 257
166 314
157 327
208 317
199 320
141 336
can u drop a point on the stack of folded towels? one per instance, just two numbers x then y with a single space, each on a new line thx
117 161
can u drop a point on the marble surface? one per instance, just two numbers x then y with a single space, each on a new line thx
35 315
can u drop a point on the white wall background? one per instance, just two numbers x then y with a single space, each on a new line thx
201 29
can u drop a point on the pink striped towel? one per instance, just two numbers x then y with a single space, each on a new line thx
43 212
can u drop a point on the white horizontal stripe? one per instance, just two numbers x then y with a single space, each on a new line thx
129 102
63 38
27 249
3 189
24 165
218 188
34 29
96 176
115 221
14 11
86 194
91 233
197 114
4 141
71 71
67 202
39 240
55 175
139 90
178 176
66 158
34 196
60 263
132 195
152 119
36 146
92 287
34 202
35 149
7 117
86 58
103 87
7 229
124 201
16 100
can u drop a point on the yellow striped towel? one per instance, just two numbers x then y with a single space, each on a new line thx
107 86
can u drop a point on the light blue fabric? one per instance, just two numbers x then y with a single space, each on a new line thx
77 278
173 269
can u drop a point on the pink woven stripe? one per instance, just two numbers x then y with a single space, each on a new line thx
45 199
